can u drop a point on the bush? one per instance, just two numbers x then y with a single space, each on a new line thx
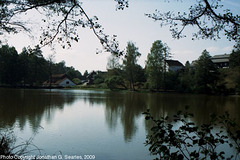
8 148
115 82
76 81
191 142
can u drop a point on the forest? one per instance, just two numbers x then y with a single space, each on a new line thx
202 76
30 69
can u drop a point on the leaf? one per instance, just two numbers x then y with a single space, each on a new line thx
147 117
195 141
154 129
190 123
180 157
76 39
221 141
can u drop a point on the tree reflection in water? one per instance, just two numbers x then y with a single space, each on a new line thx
22 106
31 106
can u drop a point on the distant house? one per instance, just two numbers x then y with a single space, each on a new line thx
221 61
59 80
174 65
93 76
90 78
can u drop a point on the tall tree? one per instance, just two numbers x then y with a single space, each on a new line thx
234 59
205 74
113 67
9 65
24 65
186 78
113 62
72 73
85 74
156 65
130 63
37 67
50 60
59 68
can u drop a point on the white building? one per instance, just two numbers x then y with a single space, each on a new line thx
59 80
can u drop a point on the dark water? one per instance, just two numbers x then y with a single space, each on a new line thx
103 124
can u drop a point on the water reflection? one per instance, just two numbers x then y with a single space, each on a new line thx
128 107
32 106
200 105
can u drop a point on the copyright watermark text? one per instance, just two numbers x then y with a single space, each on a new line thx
49 157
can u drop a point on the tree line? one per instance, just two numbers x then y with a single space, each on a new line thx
202 76
29 68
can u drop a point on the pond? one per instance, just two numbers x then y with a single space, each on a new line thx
101 125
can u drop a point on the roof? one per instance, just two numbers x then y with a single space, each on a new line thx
58 75
220 58
174 63
56 79
60 80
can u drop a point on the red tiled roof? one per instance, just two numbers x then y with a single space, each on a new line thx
56 79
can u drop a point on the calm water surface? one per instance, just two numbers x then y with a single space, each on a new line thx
109 125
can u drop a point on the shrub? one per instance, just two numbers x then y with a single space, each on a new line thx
115 82
189 141
9 148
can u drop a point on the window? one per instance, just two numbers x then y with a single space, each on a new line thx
67 82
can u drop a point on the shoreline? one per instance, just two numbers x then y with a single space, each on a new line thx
117 90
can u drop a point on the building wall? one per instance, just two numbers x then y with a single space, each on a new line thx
173 68
67 82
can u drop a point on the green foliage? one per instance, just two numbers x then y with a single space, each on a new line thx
37 67
205 73
99 78
5 143
229 80
76 81
113 62
29 67
234 59
204 77
130 63
115 82
172 81
72 73
139 75
8 145
85 74
59 68
115 72
9 65
186 78
183 139
156 65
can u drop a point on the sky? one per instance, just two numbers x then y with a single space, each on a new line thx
129 24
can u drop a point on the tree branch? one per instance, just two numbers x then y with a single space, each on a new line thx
201 15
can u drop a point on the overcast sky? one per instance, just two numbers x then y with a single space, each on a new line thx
130 25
